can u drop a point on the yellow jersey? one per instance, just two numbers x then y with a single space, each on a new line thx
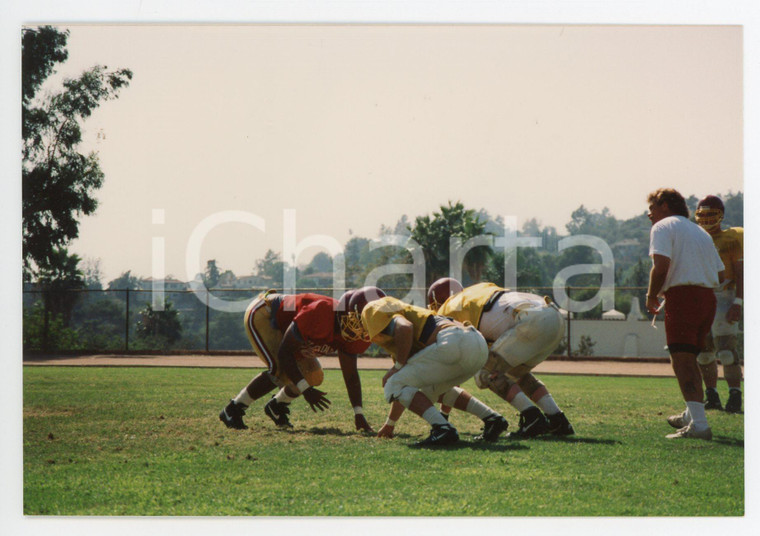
730 246
378 314
468 305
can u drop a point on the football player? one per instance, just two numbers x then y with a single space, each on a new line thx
289 332
431 355
721 342
522 330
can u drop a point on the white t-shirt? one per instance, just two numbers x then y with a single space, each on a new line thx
694 260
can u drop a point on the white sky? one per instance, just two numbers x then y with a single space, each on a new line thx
354 126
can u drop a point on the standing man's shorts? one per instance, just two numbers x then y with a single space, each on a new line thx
266 338
455 357
689 314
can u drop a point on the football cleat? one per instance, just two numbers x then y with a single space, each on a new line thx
559 425
689 432
734 403
278 412
440 435
712 399
232 416
493 426
532 423
678 421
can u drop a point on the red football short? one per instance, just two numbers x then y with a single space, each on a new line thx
689 313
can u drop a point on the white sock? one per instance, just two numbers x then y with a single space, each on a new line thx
433 416
243 398
283 397
521 402
697 413
477 408
548 405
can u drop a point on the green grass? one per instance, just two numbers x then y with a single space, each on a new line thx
147 441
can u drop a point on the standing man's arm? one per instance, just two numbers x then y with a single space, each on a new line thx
660 266
348 367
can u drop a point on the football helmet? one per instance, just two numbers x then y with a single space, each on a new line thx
441 290
709 213
350 307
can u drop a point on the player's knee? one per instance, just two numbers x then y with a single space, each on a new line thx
726 357
705 358
311 369
529 384
483 379
732 374
449 398
395 391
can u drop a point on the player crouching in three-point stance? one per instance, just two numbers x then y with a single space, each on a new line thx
725 328
685 270
522 330
431 354
288 332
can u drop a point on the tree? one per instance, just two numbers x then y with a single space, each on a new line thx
61 280
211 275
271 266
433 234
126 281
57 180
160 328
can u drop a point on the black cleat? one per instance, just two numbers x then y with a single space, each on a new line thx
278 412
712 399
493 427
532 423
440 435
559 425
734 404
232 416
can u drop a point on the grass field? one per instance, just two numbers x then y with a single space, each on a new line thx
147 441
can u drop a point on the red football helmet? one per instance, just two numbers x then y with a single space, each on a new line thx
351 305
709 213
441 290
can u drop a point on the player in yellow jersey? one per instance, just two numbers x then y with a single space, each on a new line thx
432 355
522 330
721 342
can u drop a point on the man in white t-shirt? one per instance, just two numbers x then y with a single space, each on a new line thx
686 268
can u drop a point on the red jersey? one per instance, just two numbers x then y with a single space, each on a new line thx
316 319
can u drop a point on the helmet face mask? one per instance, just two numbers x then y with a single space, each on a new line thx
351 327
709 213
350 308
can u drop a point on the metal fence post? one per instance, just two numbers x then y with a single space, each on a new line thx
126 325
207 314
46 320
569 346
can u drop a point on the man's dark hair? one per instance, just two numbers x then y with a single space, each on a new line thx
675 201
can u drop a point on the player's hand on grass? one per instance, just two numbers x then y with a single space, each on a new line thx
361 424
386 431
316 399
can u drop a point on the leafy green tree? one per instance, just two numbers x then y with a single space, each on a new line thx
160 328
126 281
271 266
57 180
433 234
61 279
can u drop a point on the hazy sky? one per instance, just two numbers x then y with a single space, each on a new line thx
353 126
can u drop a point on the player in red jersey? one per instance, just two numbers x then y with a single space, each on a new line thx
289 332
